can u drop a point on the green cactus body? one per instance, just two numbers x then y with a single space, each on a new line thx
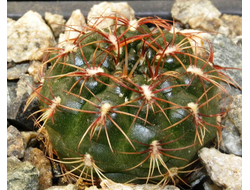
137 102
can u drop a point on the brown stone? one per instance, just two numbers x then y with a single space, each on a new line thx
36 157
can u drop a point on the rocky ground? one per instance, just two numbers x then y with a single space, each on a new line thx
27 40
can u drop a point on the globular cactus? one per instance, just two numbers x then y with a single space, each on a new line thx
130 103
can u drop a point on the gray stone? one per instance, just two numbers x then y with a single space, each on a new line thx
15 144
11 91
24 85
197 177
227 54
225 170
227 57
21 175
15 105
16 71
27 37
232 133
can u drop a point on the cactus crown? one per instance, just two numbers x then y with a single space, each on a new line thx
129 102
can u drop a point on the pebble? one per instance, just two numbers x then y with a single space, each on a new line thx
231 26
209 185
24 85
68 187
202 15
232 133
11 91
10 23
17 71
198 14
27 36
109 9
16 104
21 175
74 26
109 185
15 143
56 23
36 157
29 138
224 170
35 70
228 54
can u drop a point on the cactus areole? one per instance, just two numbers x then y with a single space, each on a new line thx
129 103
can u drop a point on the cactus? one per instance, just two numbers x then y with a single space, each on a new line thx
129 103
